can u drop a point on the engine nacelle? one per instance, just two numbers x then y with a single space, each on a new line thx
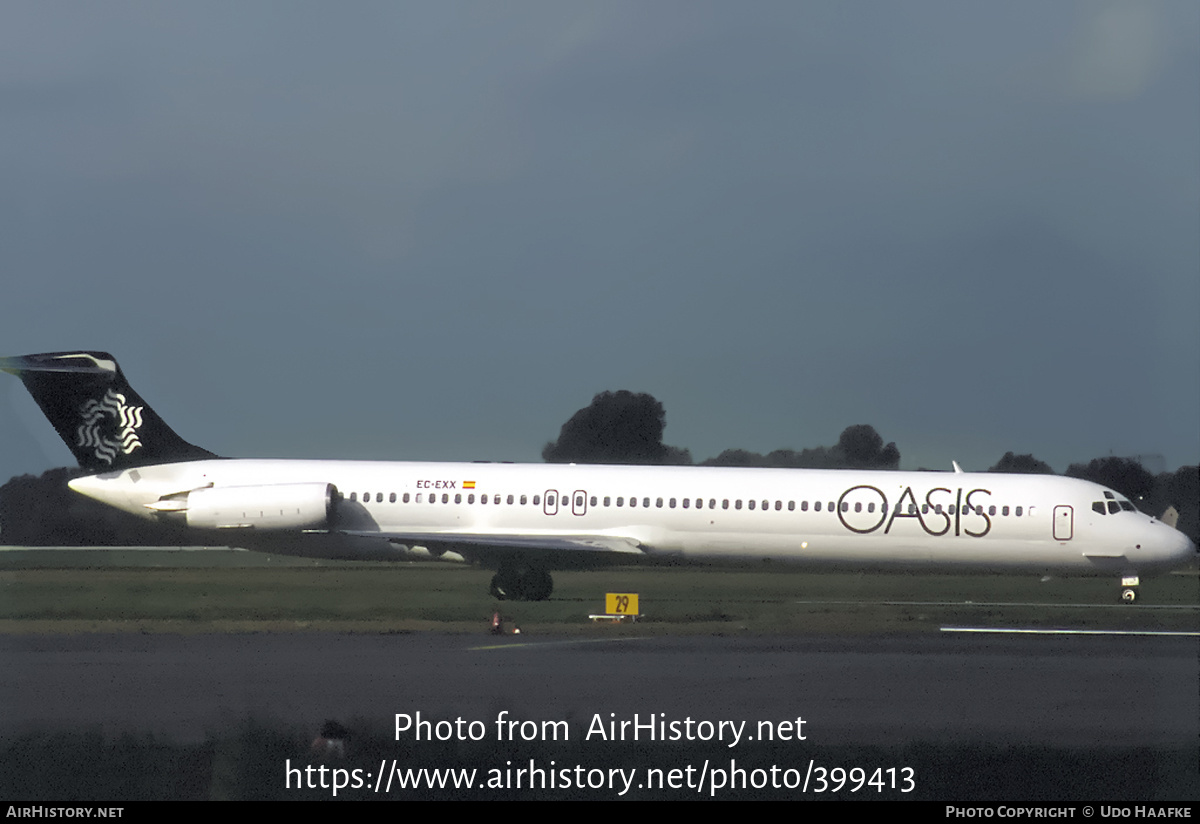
281 506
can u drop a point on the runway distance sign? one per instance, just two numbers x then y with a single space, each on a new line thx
621 603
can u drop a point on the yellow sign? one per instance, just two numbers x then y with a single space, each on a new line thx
621 603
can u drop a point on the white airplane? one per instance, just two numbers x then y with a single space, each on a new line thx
525 520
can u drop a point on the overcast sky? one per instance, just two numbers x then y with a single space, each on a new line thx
435 230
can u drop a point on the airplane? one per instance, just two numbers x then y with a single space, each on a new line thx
526 520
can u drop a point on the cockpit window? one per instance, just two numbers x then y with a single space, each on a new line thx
1113 507
1098 507
1128 507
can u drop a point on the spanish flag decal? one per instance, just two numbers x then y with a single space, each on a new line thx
468 484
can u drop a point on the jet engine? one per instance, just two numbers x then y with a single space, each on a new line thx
272 507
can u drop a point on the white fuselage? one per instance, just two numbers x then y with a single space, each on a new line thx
848 518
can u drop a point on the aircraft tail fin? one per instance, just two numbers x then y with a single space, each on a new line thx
102 420
1170 517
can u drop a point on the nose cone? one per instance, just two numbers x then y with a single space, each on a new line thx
1170 549
1184 550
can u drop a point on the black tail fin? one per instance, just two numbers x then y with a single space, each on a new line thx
102 420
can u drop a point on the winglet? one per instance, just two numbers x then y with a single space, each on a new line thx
957 469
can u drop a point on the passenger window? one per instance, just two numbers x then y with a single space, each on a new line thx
620 501
1017 511
405 497
750 504
712 503
791 506
496 500
687 502
510 500
804 506
445 497
737 504
658 503
671 503
537 500
523 500
354 496
725 504
593 503
778 505
816 506
633 502
392 498
608 500
1004 510
457 498
858 507
483 499
471 498
646 502
991 510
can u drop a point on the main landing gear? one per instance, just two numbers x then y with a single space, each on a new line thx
521 583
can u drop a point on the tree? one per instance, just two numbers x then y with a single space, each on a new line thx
1022 465
616 428
859 447
1128 477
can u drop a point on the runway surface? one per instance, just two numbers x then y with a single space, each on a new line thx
1075 691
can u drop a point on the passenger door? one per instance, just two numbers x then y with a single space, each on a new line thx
1064 523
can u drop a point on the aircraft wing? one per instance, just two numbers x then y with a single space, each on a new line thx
470 543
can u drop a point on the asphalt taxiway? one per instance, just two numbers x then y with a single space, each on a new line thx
1064 691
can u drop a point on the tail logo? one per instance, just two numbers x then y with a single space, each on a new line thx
110 426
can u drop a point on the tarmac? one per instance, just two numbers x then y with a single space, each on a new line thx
1085 691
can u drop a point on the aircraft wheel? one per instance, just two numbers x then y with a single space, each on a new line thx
537 585
522 584
1128 595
